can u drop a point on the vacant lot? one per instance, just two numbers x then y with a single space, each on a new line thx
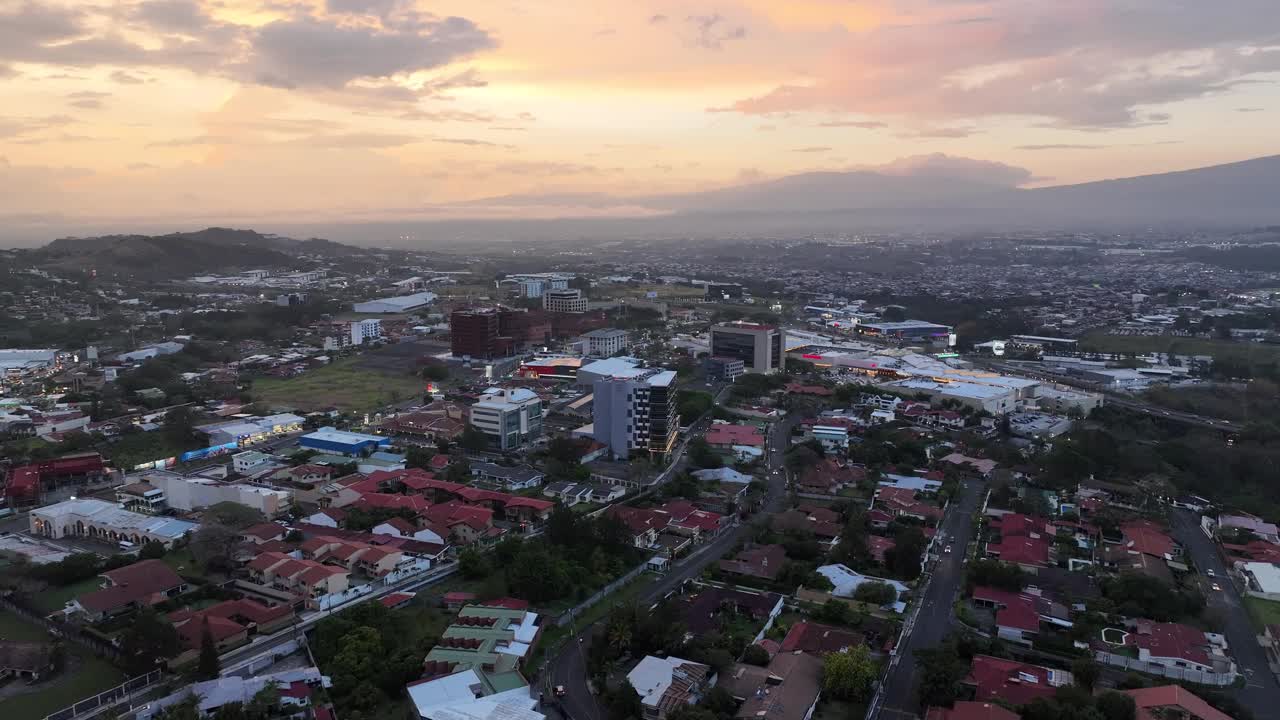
84 675
345 385
53 599
1263 612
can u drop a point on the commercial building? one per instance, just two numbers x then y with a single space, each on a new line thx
331 440
100 520
994 399
567 300
551 368
759 347
724 369
397 304
195 493
496 332
509 417
606 342
635 410
363 331
249 430
917 330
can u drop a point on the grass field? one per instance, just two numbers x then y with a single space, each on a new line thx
1263 612
54 598
85 675
344 385
1181 346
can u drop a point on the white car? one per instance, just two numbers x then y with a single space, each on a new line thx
1209 572
1216 587
946 550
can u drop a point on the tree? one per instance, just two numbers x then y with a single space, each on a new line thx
941 673
701 455
875 593
473 564
147 641
233 515
849 674
211 545
624 703
151 550
755 655
904 558
419 457
437 372
1086 672
993 573
209 666
473 440
1116 706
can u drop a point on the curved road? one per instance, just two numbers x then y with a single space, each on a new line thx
569 667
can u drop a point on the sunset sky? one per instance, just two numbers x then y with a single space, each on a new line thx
204 110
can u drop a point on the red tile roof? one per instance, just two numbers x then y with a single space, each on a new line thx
1147 538
132 584
1170 640
415 503
764 561
1151 700
1021 551
1019 525
265 531
878 546
967 710
727 434
817 639
192 631
1009 680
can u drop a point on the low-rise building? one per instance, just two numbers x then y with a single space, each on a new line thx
665 684
132 587
509 417
1017 683
510 478
105 522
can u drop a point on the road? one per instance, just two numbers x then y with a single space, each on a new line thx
931 621
1261 693
569 667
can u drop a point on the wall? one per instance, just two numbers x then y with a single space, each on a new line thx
572 612
1173 673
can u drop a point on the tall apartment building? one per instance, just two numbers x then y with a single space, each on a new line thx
510 417
605 342
566 300
363 331
759 347
635 411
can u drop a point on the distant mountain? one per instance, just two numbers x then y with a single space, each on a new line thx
208 250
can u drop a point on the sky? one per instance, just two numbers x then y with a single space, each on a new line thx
201 111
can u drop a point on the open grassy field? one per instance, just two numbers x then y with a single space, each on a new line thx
1263 612
345 385
85 675
54 598
1181 346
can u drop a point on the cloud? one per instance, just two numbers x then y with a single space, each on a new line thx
370 140
943 132
1251 109
17 127
713 31
863 124
135 167
473 142
191 141
7 71
657 19
124 78
87 99
812 149
1060 146
1082 64
549 168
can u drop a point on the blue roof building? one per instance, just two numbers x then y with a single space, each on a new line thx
331 440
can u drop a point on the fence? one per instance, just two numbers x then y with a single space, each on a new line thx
567 616
1173 673
108 697
261 662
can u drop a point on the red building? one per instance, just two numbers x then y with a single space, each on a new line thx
494 332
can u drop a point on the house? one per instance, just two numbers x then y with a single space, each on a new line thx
969 710
26 660
328 517
878 545
665 684
232 622
797 520
643 524
466 524
845 582
981 468
903 502
787 689
700 610
761 561
723 475
1172 702
1147 538
817 639
131 587
568 493
511 479
297 691
1175 645
306 578
1024 540
726 436
996 679
1018 615
829 476
399 527
262 533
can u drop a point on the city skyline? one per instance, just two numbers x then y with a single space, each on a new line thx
386 109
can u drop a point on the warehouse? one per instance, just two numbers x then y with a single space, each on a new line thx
342 443
397 304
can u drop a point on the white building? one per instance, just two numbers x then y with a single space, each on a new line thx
634 409
664 683
100 520
397 304
568 300
605 342
846 581
510 417
467 696
363 331
196 493
249 461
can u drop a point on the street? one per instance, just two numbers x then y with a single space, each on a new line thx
932 619
1261 694
569 667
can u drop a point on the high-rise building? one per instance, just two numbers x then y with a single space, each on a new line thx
759 347
363 331
495 332
567 300
510 417
634 411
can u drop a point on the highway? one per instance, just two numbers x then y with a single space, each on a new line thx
569 666
1261 693
931 619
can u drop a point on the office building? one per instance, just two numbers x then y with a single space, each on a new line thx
568 300
509 417
363 331
759 347
634 410
496 332
606 342
724 369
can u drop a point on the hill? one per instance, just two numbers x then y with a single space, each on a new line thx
204 251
